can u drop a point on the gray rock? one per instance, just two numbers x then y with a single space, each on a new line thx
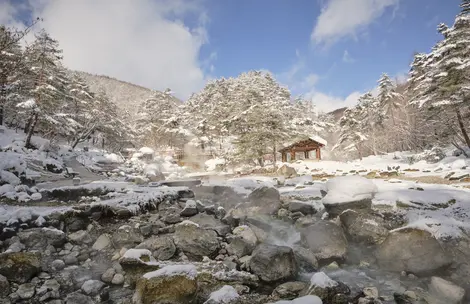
445 292
146 230
210 222
108 275
196 242
78 298
92 287
303 207
335 209
49 290
102 242
325 240
273 263
126 236
58 264
80 237
162 247
16 247
267 199
289 290
20 267
118 279
305 259
40 238
412 250
4 287
244 241
70 259
363 227
190 209
26 291
172 216
75 224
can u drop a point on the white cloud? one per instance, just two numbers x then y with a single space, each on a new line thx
347 57
347 18
328 103
143 41
309 81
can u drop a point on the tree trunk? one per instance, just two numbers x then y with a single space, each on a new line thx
359 151
31 130
28 123
274 156
462 127
3 94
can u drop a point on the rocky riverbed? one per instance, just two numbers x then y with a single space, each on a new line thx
212 244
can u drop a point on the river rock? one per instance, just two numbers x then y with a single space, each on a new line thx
348 192
80 237
20 267
444 292
196 242
304 207
118 279
78 298
108 275
209 222
162 247
190 209
102 242
267 199
4 286
305 259
40 238
136 262
273 263
289 290
126 236
287 171
244 241
325 240
412 250
92 287
26 291
363 227
172 284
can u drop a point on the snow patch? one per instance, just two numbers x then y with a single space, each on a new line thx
224 295
349 188
189 271
320 279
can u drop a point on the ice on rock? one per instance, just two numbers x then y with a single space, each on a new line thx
189 271
224 295
320 279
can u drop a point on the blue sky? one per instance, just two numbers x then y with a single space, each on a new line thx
276 35
330 51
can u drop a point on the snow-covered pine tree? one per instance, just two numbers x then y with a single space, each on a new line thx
442 84
388 99
45 84
352 136
10 70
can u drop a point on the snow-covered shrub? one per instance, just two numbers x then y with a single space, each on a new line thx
432 156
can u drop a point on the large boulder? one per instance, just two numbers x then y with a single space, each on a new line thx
305 259
244 241
325 240
162 247
444 292
40 238
412 250
195 241
348 192
363 227
126 236
266 198
174 284
287 171
20 267
305 208
273 263
209 222
136 262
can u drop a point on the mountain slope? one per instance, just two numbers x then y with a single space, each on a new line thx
127 96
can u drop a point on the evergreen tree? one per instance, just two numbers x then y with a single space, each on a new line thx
45 81
388 98
441 80
10 70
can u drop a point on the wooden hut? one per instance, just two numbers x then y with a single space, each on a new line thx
312 143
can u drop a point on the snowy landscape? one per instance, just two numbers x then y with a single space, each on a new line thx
243 193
